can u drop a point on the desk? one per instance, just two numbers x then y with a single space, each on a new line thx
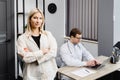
108 68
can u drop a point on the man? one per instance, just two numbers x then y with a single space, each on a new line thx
73 52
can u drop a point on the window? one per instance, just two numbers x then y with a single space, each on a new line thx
22 9
82 14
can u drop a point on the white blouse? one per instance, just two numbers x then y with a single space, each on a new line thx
37 65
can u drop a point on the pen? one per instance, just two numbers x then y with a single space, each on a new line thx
87 71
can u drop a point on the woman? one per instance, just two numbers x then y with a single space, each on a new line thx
38 49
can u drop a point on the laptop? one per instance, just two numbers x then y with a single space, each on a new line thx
99 66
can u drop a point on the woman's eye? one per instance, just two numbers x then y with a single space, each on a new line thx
35 17
40 18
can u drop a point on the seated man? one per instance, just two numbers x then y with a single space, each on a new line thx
73 52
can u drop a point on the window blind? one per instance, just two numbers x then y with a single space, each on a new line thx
82 14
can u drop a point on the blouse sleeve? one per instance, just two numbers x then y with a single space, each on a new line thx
27 55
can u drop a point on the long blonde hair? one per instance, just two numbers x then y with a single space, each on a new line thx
32 12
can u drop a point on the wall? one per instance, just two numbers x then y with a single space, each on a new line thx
56 22
108 27
116 21
105 27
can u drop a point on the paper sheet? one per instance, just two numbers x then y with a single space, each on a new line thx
83 72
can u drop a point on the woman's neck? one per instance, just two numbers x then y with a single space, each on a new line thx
35 32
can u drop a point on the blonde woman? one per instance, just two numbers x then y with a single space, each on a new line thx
38 49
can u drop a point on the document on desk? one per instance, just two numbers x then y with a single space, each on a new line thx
82 72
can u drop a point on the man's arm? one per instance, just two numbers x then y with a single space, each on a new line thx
68 59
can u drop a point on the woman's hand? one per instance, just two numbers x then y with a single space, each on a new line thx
45 51
26 50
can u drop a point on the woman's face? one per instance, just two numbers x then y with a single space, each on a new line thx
36 20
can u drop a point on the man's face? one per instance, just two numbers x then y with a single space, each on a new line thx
77 38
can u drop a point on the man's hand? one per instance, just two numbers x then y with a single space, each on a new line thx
92 63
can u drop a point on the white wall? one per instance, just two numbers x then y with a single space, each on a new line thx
56 22
116 31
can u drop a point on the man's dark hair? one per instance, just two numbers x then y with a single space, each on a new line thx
75 31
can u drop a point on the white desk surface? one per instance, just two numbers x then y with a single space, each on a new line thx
108 68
